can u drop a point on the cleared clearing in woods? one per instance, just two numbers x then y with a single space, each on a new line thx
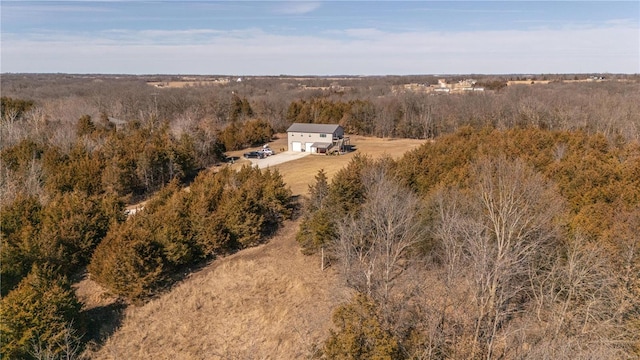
266 302
300 173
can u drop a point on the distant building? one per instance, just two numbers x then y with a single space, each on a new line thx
120 124
442 90
467 85
316 138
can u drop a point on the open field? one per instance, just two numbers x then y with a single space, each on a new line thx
267 302
298 174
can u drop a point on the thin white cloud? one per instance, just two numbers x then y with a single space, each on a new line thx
53 7
614 48
366 33
628 21
469 11
297 7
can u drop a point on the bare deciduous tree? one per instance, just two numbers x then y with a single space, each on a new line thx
516 214
576 311
495 233
374 245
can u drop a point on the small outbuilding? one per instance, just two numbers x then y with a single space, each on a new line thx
316 138
119 124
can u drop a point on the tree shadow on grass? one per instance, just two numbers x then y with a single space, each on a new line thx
102 322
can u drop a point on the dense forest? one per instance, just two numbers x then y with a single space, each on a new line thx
513 234
518 244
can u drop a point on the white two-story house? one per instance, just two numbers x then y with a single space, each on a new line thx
315 138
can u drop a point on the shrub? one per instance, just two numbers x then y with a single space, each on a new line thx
40 313
222 212
72 226
129 262
360 334
19 229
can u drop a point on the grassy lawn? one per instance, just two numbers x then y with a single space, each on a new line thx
300 173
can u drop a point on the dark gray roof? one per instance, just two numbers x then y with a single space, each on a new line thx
313 128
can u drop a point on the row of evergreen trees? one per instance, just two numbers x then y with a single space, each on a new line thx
44 245
222 212
356 116
64 211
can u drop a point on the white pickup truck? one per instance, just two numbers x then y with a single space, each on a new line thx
266 151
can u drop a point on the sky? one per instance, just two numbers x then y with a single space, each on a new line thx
319 37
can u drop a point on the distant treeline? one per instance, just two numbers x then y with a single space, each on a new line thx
144 136
75 151
376 106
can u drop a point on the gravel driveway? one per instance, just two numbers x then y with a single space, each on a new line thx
278 158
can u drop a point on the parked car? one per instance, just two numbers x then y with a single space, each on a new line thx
254 155
266 151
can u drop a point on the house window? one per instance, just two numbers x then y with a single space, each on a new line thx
323 135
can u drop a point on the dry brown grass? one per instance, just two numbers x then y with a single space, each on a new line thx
267 302
300 173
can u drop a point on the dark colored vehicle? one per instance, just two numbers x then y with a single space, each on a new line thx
254 155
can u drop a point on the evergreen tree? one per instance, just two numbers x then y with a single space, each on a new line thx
38 314
72 226
16 158
318 192
255 133
183 158
360 334
316 230
347 191
211 236
129 262
317 227
13 109
19 224
85 126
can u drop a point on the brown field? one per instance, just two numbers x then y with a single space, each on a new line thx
300 173
266 302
